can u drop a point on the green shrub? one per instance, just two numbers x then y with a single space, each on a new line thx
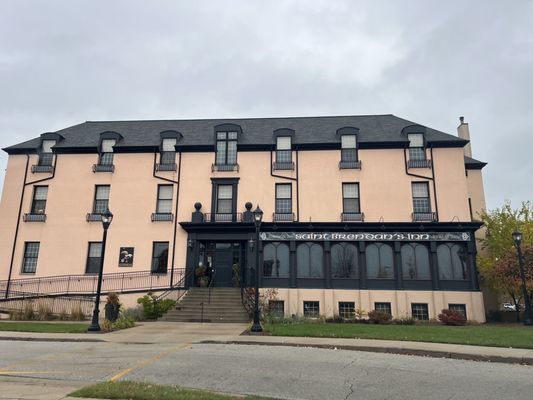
153 307
379 317
122 322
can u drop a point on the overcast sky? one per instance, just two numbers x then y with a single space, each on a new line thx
65 62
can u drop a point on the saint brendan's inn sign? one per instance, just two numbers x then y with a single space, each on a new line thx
368 236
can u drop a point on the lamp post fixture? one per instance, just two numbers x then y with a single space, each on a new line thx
528 314
258 217
107 217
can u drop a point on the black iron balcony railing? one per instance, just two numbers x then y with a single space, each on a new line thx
93 217
352 217
283 217
419 163
166 167
224 167
86 284
156 217
222 217
103 167
350 164
424 217
283 165
34 217
42 169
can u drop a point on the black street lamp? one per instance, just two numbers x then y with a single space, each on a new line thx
528 315
107 217
258 217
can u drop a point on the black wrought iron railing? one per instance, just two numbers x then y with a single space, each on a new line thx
224 167
42 169
419 163
283 217
55 305
34 217
219 217
353 164
352 217
162 217
166 167
86 284
283 165
424 216
103 168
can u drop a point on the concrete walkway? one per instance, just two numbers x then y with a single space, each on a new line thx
178 333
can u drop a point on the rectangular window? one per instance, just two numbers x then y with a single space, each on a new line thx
38 205
283 198
224 199
348 148
106 152
347 309
421 202
101 199
311 309
160 257
416 147
276 308
283 149
350 198
164 199
384 307
168 151
420 311
46 156
226 149
31 253
460 308
94 257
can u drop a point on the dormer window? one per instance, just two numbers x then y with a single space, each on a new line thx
226 151
46 155
417 147
284 153
105 158
167 151
349 159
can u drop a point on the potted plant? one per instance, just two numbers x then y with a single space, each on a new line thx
201 275
112 307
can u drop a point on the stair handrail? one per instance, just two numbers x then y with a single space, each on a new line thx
81 283
247 298
211 281
181 284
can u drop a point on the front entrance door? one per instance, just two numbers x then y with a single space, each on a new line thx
226 259
223 265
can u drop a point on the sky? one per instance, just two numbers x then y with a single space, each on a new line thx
65 62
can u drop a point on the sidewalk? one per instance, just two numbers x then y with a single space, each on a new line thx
441 350
196 333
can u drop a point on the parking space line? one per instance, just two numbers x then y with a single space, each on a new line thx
148 361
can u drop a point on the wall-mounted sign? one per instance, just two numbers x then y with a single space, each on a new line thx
368 236
125 257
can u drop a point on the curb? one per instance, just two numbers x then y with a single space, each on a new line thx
38 339
389 350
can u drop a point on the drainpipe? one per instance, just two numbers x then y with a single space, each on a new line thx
24 184
290 179
177 183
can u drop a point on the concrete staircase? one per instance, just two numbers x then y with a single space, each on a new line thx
225 306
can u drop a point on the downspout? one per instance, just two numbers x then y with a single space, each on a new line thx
432 178
177 183
291 179
24 184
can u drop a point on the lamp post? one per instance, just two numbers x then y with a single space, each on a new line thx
528 315
258 216
107 217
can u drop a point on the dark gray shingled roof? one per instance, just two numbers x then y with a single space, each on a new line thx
472 163
255 131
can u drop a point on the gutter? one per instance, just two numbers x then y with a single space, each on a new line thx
24 184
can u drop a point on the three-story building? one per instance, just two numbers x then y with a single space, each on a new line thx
369 212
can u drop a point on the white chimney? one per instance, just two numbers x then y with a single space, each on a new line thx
464 133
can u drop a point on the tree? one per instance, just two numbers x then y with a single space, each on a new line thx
498 261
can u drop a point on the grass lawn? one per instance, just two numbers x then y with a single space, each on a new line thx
146 391
518 336
46 327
